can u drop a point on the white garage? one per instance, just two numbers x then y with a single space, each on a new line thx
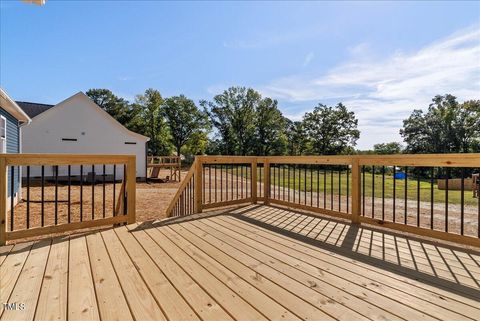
78 126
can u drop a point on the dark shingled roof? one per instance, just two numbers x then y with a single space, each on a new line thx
33 109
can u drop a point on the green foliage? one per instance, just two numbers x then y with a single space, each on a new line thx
233 113
186 123
269 128
296 138
153 123
331 130
117 107
388 148
447 127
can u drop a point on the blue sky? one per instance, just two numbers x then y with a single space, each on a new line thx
381 59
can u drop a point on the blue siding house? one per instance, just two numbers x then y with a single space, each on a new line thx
11 119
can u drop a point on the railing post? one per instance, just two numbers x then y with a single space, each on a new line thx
356 190
254 181
131 190
266 183
3 201
198 184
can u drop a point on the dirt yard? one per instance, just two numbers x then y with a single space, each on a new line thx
153 199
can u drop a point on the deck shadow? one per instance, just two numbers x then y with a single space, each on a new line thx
427 258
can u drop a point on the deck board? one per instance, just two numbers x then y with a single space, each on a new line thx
82 301
254 263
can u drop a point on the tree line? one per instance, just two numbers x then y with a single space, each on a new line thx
240 121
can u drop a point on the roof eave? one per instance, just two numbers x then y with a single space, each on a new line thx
12 107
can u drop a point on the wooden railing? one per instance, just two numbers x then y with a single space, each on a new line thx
185 200
43 194
400 192
170 163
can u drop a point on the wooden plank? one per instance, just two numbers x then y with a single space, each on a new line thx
198 187
175 307
28 284
254 182
82 302
285 297
227 203
131 191
37 231
303 267
141 302
3 201
52 303
112 302
225 159
356 191
267 306
266 182
203 304
64 159
230 301
342 304
11 268
319 160
4 251
372 270
420 160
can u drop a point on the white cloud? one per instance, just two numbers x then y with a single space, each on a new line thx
308 58
383 92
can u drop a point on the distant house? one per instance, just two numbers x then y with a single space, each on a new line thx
79 126
12 117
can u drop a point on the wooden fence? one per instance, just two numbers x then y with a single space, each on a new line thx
362 189
93 190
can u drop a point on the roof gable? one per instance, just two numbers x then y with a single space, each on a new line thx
102 113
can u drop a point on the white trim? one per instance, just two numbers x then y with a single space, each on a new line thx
3 136
12 108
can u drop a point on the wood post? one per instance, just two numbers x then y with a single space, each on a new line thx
356 190
254 181
131 190
266 182
3 201
198 184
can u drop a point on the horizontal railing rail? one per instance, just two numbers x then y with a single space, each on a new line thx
434 195
52 193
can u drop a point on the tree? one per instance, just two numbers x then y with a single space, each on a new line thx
232 113
269 128
185 120
331 130
296 138
388 148
153 122
117 107
447 127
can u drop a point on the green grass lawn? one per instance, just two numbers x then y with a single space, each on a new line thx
316 183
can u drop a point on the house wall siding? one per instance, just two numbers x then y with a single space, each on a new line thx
13 146
78 126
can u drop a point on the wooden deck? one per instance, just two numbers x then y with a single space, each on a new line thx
252 263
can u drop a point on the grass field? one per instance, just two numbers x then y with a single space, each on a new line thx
322 181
